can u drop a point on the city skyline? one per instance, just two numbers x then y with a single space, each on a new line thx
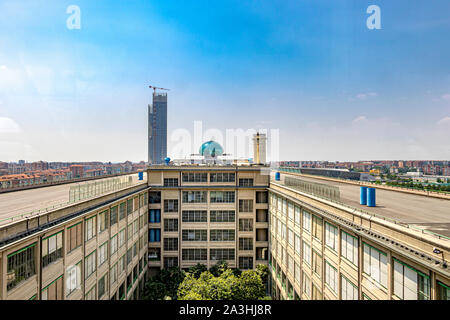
312 70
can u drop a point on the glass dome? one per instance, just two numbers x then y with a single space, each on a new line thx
211 149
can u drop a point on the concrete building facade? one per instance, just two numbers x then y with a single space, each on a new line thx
323 250
92 250
208 213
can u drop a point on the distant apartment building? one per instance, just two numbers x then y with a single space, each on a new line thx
77 170
157 129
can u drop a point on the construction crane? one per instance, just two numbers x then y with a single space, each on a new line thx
154 88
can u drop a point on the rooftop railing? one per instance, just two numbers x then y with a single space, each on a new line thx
392 220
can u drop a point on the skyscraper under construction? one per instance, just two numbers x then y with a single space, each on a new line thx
157 128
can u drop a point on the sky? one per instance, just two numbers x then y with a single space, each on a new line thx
333 88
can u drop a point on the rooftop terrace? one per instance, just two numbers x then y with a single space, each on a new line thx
21 204
416 211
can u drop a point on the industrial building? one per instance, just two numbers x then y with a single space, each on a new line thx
102 238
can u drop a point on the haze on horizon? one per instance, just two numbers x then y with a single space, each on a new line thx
336 90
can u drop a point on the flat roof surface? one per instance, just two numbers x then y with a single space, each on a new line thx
17 203
424 212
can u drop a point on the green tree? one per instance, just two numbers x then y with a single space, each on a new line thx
165 284
197 270
226 286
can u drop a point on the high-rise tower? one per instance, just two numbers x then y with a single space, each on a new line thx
157 128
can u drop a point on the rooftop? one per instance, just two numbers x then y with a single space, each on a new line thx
417 211
19 204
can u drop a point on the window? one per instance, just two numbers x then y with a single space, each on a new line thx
291 237
170 225
194 254
90 264
73 278
91 294
122 264
245 182
221 254
261 196
222 216
443 291
122 210
245 263
195 177
316 293
52 248
221 235
74 237
222 177
194 196
114 215
102 253
331 278
297 215
136 226
348 290
291 211
194 216
114 244
307 221
113 274
306 253
170 244
102 285
297 244
375 264
317 263
21 265
297 272
245 244
290 263
245 225
171 205
194 235
306 284
91 224
122 238
317 228
170 182
331 236
129 255
129 206
409 283
130 231
170 262
245 205
154 197
221 196
54 291
102 221
349 247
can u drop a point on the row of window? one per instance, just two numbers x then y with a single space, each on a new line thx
245 205
244 263
408 282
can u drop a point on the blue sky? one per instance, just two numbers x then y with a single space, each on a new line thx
312 69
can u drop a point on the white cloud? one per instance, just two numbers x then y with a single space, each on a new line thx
359 119
364 96
8 125
446 96
444 121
